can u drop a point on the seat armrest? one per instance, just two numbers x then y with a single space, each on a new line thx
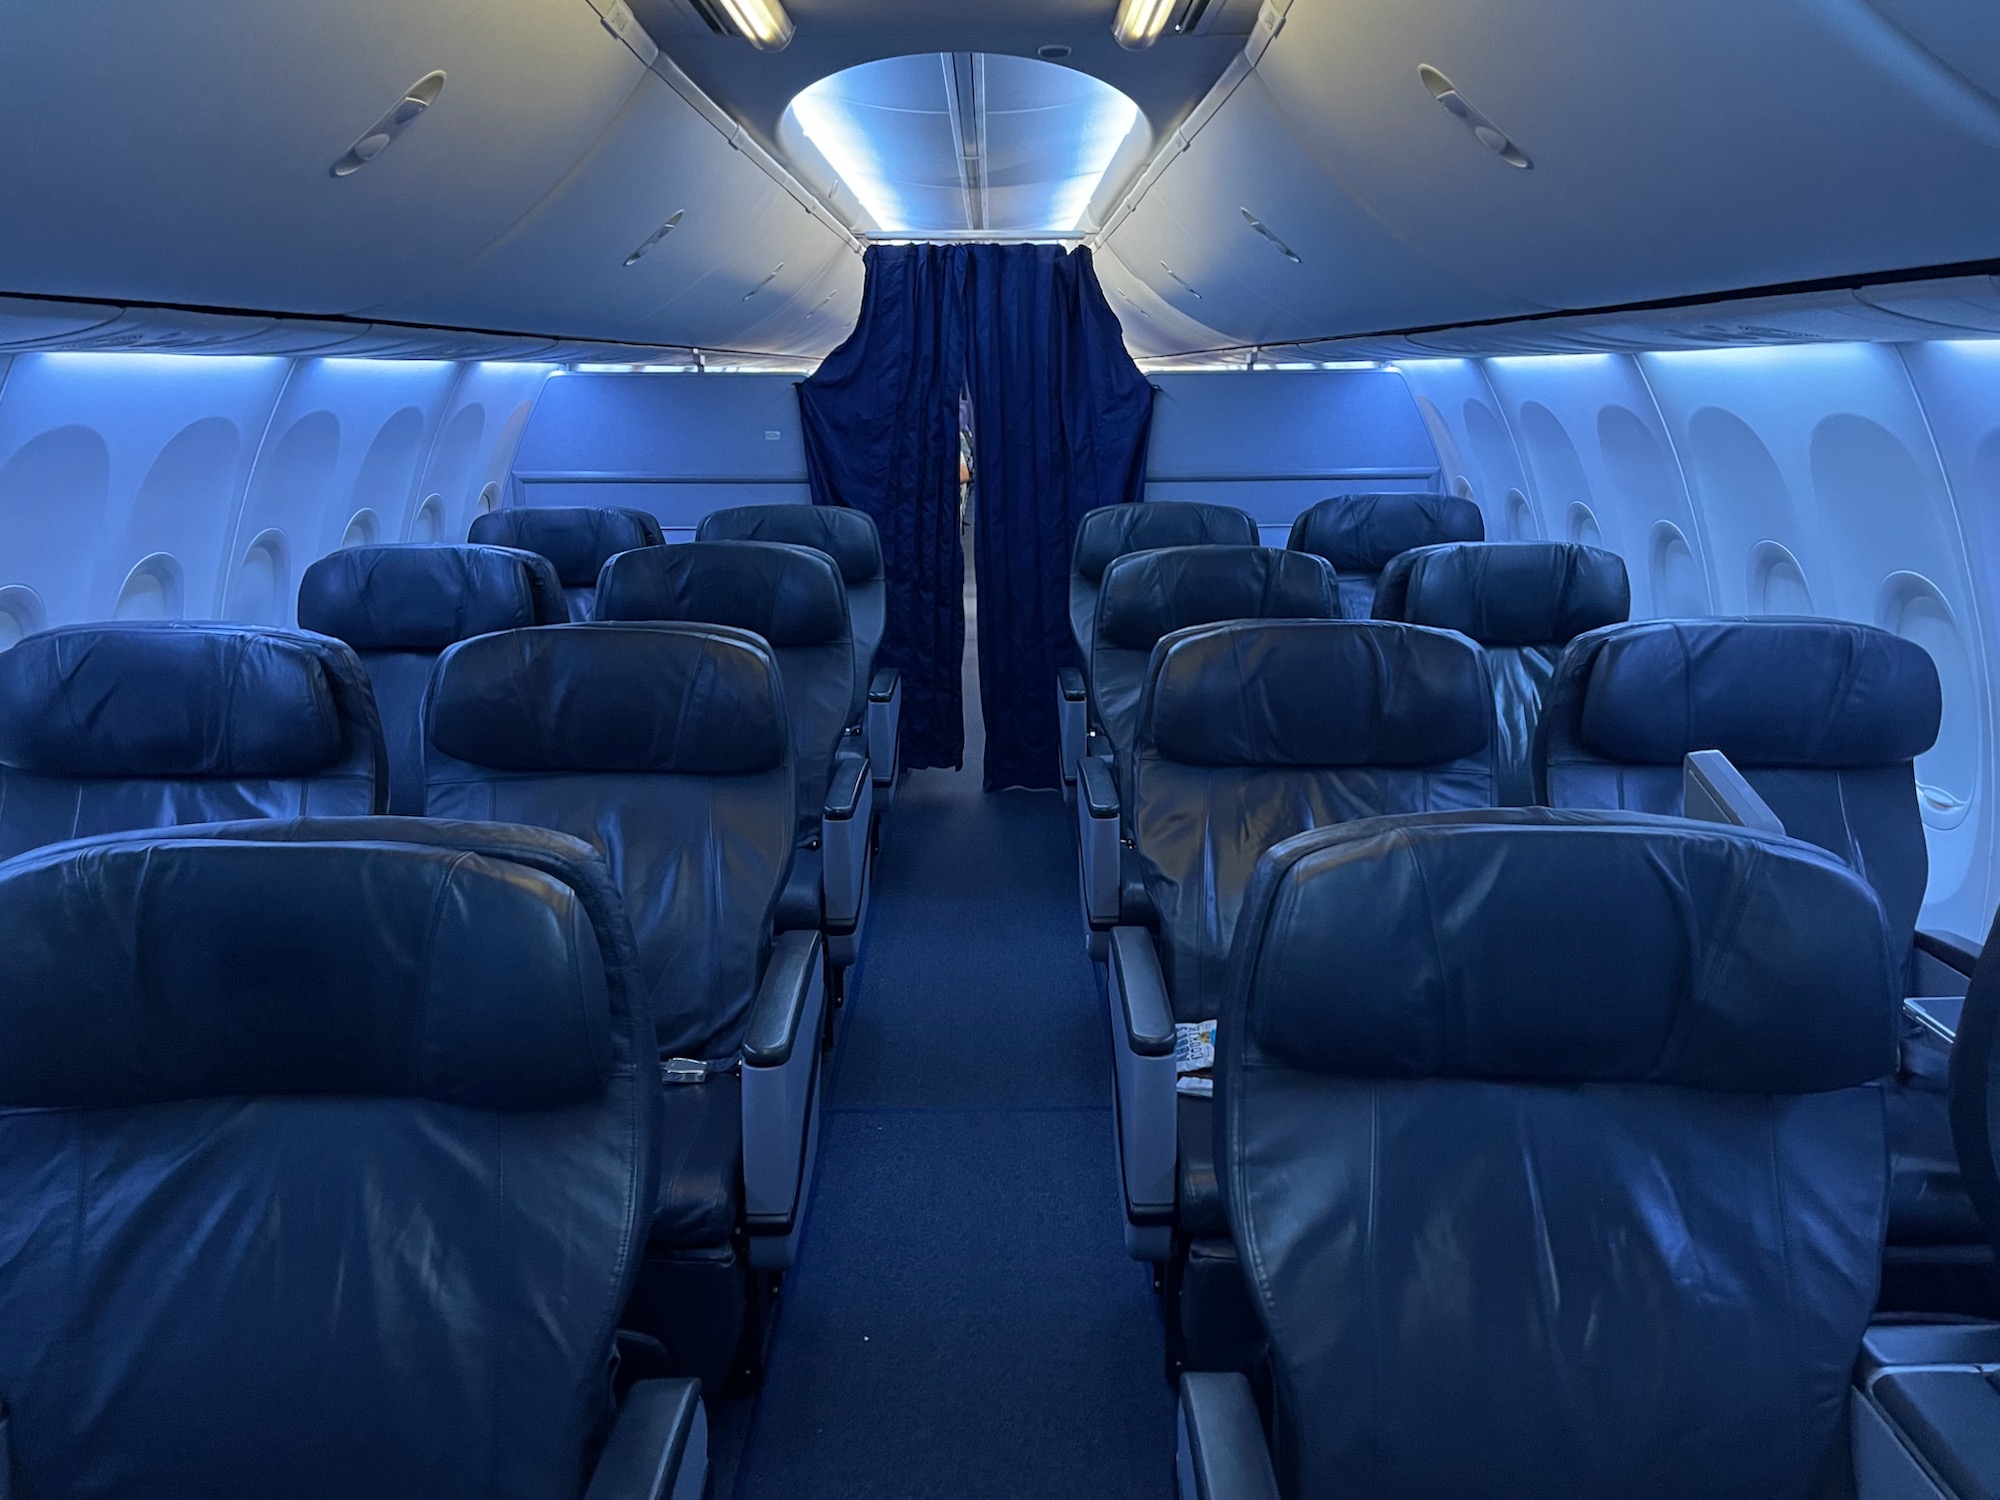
1142 1032
780 1082
1097 789
1146 1020
846 837
1070 682
1072 720
1222 1454
658 1448
885 724
1713 790
779 1011
843 791
1097 840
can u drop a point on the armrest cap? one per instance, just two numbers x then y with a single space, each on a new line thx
843 792
1953 951
1224 1451
659 1429
1096 786
1149 1020
781 1000
882 686
1070 681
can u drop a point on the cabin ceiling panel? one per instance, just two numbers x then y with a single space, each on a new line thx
185 158
568 264
1677 150
1351 269
1152 325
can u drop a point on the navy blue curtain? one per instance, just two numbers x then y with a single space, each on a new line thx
1060 416
880 421
1060 420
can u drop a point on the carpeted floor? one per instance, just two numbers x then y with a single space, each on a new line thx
963 1320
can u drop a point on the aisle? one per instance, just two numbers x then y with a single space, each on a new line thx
964 1321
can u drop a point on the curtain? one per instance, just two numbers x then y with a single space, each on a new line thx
880 422
1060 418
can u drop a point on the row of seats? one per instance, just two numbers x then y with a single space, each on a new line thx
715 769
1216 741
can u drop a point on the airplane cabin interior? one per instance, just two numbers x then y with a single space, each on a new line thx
860 749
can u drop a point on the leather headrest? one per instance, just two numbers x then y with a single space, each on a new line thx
791 596
424 596
1765 692
169 700
697 700
576 538
1111 531
1507 593
847 536
1360 533
157 966
1150 594
1560 946
1315 693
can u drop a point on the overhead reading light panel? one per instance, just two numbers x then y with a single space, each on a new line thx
965 143
762 23
1139 23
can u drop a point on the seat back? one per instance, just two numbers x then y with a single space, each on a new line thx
1523 602
1106 534
399 606
1146 595
1252 732
848 537
576 539
1549 1133
106 728
326 1155
790 596
664 748
1359 534
1824 718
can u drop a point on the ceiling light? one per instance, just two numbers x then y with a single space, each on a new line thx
762 23
1140 22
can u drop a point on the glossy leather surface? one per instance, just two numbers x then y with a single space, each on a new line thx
790 596
1822 717
1146 595
577 539
663 746
701 1165
1596 1199
1111 531
846 535
111 727
399 606
431 1314
1359 534
1521 601
1252 732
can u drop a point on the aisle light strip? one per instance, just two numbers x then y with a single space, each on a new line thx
1140 22
762 23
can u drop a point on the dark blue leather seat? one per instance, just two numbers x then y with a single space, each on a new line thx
1824 718
845 535
1537 1205
1360 534
664 746
326 1155
1106 534
792 598
105 728
399 606
1144 596
1523 602
577 539
1102 537
1250 733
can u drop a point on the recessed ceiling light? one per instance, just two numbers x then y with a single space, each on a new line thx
1052 52
1140 22
761 23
